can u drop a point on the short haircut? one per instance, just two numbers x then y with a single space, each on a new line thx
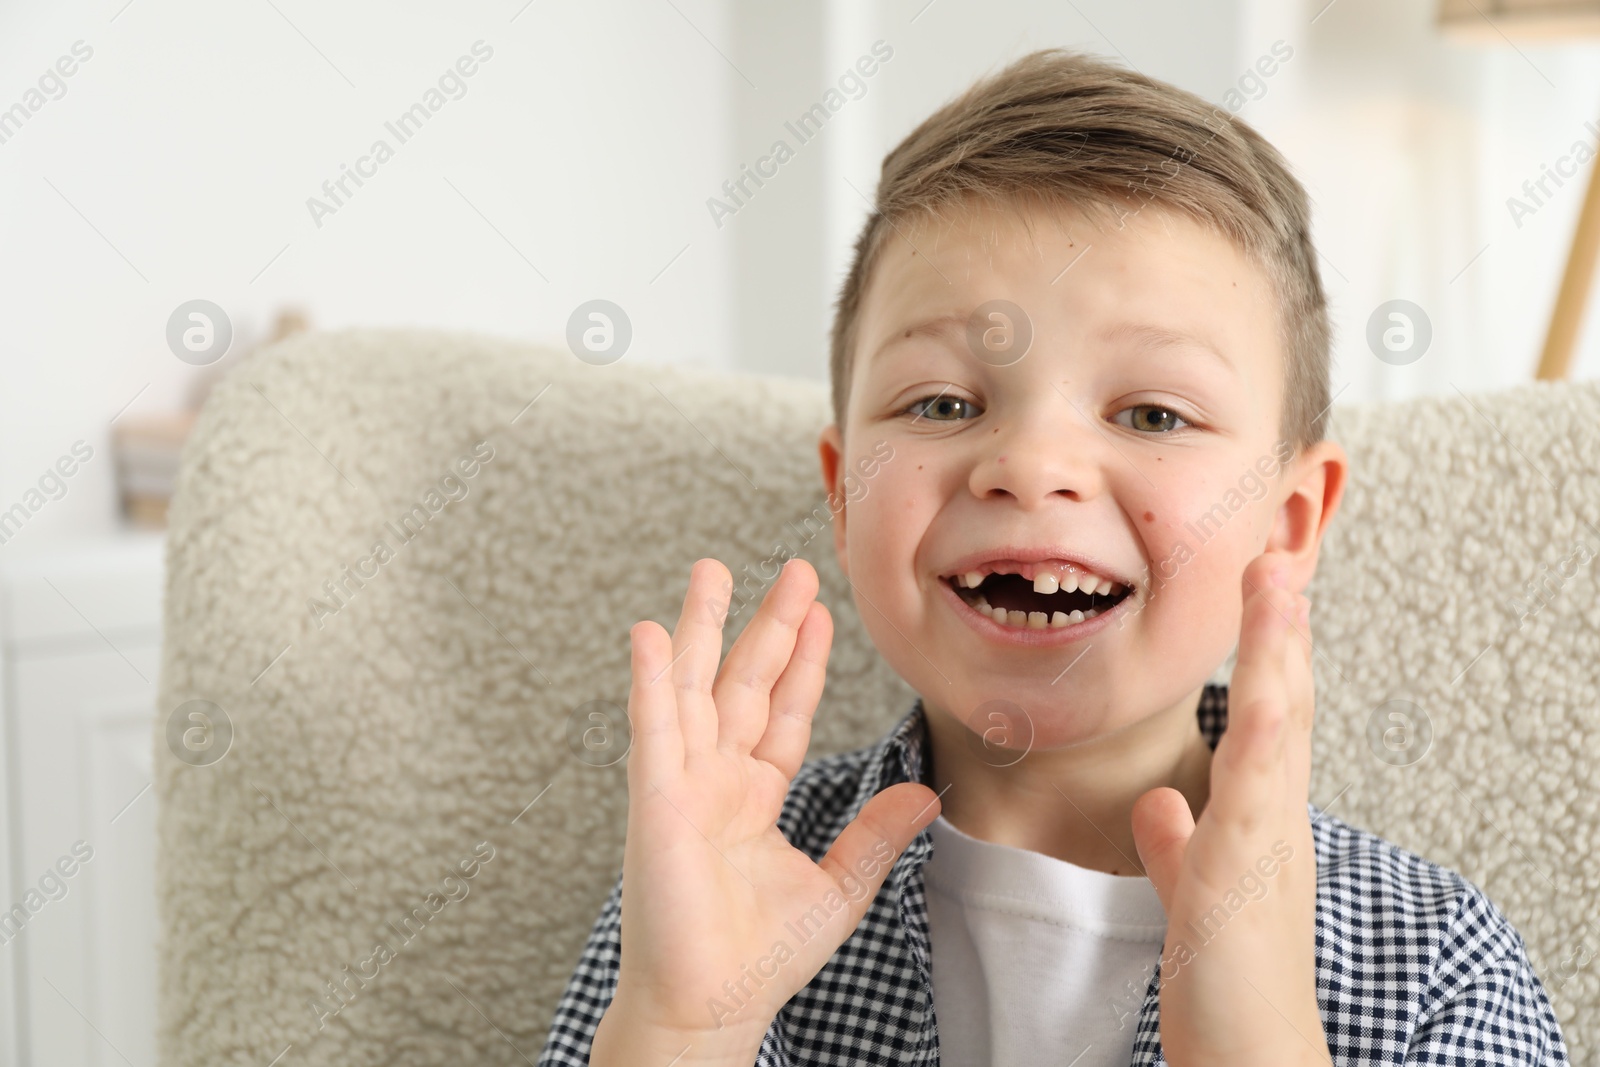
1058 126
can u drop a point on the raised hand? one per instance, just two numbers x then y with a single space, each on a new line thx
1238 970
711 889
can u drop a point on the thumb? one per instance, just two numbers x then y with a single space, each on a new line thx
865 850
1162 826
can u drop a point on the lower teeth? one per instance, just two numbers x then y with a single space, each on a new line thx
1033 620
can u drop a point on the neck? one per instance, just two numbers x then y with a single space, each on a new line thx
1074 802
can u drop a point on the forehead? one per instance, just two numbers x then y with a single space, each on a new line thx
1150 275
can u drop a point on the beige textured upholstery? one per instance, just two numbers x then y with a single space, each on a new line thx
421 724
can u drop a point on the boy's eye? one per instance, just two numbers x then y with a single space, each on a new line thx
1150 418
943 408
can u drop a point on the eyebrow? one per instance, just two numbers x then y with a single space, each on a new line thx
1146 334
937 328
1163 337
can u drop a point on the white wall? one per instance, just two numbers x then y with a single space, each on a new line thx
1409 144
194 135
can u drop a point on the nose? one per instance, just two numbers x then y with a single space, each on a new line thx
1048 451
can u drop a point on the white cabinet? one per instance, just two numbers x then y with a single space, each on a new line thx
79 651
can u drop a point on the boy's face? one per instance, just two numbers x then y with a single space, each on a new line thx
1138 435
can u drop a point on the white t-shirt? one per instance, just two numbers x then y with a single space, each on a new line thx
1035 960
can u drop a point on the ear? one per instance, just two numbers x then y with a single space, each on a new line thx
1315 485
830 449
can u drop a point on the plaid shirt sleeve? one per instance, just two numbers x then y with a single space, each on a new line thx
1486 1005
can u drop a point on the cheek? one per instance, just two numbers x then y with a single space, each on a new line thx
1169 546
884 523
1197 538
889 528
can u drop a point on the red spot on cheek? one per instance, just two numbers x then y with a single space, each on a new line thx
1149 516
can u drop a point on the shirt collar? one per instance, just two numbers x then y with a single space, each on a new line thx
901 756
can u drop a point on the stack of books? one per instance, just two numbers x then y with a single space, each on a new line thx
147 450
148 447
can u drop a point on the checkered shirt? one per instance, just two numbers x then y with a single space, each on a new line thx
1415 965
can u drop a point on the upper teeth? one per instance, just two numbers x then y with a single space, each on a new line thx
1050 582
1088 583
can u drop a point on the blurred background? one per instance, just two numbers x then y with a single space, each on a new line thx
540 154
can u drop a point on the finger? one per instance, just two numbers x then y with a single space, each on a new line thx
1303 630
866 849
1302 692
743 689
795 697
1260 668
697 649
1162 826
1248 765
656 753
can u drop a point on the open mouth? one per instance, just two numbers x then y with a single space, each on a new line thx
1047 602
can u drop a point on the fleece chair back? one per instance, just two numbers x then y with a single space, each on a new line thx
401 571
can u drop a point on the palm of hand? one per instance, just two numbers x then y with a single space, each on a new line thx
723 920
1239 886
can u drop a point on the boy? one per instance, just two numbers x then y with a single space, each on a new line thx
1085 313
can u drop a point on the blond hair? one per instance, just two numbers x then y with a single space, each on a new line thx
1063 126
